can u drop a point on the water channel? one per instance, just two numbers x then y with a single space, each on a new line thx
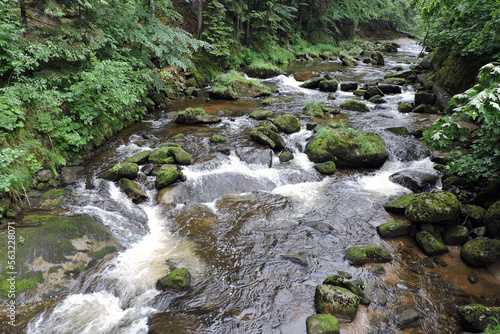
239 222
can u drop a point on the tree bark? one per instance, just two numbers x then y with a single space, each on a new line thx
24 16
199 17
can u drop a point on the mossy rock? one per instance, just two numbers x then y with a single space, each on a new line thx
424 97
395 81
49 200
139 158
359 92
474 213
372 91
348 86
133 190
71 175
161 156
270 100
336 301
492 220
167 175
274 136
223 93
286 156
217 139
312 83
343 282
426 109
195 116
377 58
367 254
488 195
322 324
180 155
329 85
261 114
455 235
393 229
399 130
261 138
430 244
287 123
439 207
125 170
477 317
328 167
263 71
480 252
377 99
399 206
179 279
354 106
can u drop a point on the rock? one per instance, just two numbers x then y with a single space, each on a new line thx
359 92
455 235
285 156
167 175
278 141
441 158
377 269
380 297
133 190
312 83
45 175
389 89
377 58
287 123
161 156
367 254
71 175
180 156
354 106
395 81
425 109
480 252
348 86
49 200
298 259
377 99
438 206
326 167
305 76
492 220
379 324
329 85
408 75
390 47
126 170
217 139
399 206
195 116
346 60
476 317
336 301
148 169
224 149
399 130
261 138
139 158
415 180
342 282
263 72
393 229
472 278
261 114
430 244
405 107
474 213
478 232
322 324
372 91
488 195
440 262
424 97
408 317
179 279
347 148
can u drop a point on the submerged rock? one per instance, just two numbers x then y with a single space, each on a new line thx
409 318
367 254
480 252
322 324
477 317
430 244
339 302
439 206
179 279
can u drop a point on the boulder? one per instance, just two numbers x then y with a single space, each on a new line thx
477 317
179 279
347 148
348 86
329 85
343 282
395 81
346 60
405 107
161 156
492 220
49 200
389 89
430 244
285 156
71 175
408 318
390 47
377 58
263 72
217 139
377 99
287 123
167 175
140 157
336 301
474 214
261 114
359 92
488 195
393 229
267 131
416 180
195 116
480 252
326 167
399 130
455 235
305 76
354 106
423 97
133 190
322 324
261 138
367 254
312 83
180 156
425 109
371 91
439 207
399 206
126 170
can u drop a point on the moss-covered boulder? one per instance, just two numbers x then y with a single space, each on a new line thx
312 83
287 123
180 155
233 84
348 86
430 244
372 91
480 252
393 229
399 206
285 156
347 148
405 107
336 301
179 279
354 106
439 207
426 109
389 89
139 158
263 70
477 317
125 170
424 97
261 114
49 200
261 138
377 58
377 99
322 324
328 167
492 220
133 190
455 235
50 256
367 254
343 282
266 135
167 175
329 85
217 139
474 214
161 156
346 60
195 116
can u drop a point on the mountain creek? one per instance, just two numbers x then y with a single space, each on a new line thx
256 234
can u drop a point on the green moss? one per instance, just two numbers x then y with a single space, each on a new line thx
434 207
271 100
167 175
179 279
161 156
393 229
328 167
315 109
322 324
354 105
54 269
126 170
367 254
217 138
399 205
29 281
139 158
287 123
329 85
261 114
181 156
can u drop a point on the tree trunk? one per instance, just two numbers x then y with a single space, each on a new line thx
200 17
24 16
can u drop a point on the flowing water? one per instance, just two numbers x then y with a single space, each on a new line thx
256 234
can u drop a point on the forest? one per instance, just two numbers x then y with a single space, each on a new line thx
73 72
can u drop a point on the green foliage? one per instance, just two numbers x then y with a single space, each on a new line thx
480 105
493 326
315 108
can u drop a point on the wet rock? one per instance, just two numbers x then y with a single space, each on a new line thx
480 252
305 76
263 72
133 190
393 229
440 262
329 85
122 170
455 235
408 75
359 92
433 207
478 232
377 99
390 47
346 60
399 130
377 58
473 213
430 244
261 114
377 269
379 324
322 324
405 107
488 195
180 155
298 259
472 278
424 97
347 147
336 301
45 175
195 116
71 175
179 279
390 89
425 109
426 227
345 274
224 149
409 318
139 158
319 226
147 169
380 297
342 282
372 91
287 123
326 167
161 156
217 139
441 158
399 206
492 220
367 254
265 135
49 200
395 81
348 86
312 83
415 180
476 317
167 175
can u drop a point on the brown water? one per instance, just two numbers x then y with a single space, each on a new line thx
237 220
